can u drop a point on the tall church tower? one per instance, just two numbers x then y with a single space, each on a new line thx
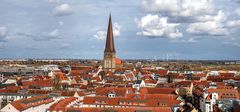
109 63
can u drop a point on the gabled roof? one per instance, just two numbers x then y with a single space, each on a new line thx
62 104
120 92
41 83
133 101
223 93
24 104
162 72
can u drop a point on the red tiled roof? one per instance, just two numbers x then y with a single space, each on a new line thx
62 104
198 92
157 90
224 87
154 96
14 88
80 93
224 93
221 78
41 83
227 74
24 104
41 77
38 91
133 101
67 93
118 61
201 83
77 72
61 76
184 83
120 92
150 81
81 67
200 75
162 72
128 109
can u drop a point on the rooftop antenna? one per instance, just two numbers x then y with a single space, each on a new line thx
163 58
167 56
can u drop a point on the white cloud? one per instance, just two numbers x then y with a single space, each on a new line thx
54 1
3 33
191 40
116 29
160 5
101 35
63 10
215 26
54 34
153 25
233 24
196 9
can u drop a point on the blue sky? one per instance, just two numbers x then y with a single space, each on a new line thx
181 29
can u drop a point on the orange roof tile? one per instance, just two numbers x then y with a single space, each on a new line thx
41 83
200 75
24 104
61 105
118 61
157 90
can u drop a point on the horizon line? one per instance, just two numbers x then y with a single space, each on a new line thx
26 59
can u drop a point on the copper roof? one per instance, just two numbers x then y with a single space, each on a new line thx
110 41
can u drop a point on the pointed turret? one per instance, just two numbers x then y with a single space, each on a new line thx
110 41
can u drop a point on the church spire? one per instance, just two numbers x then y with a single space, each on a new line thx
109 63
110 41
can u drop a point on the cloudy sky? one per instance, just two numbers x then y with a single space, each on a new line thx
181 29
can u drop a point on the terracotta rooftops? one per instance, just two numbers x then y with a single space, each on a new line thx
136 101
162 72
199 75
24 104
223 93
62 104
129 109
157 90
120 92
118 61
41 83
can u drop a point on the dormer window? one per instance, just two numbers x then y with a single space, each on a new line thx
128 91
136 97
112 94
